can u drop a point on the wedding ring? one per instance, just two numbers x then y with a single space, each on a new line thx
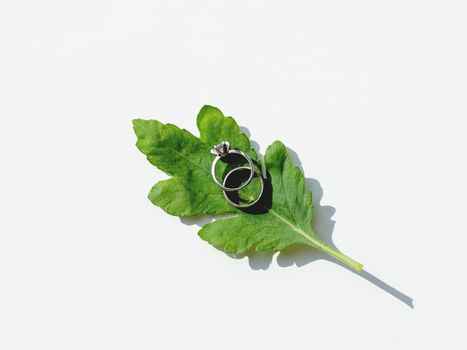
222 150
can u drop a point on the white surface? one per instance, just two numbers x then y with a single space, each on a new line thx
370 95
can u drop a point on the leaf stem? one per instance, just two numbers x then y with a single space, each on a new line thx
338 255
318 244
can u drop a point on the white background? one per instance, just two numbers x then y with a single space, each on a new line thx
371 95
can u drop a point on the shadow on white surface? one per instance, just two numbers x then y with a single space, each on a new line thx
199 220
323 225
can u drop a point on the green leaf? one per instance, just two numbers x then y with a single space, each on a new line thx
282 221
190 191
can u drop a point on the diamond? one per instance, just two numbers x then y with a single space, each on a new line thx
221 149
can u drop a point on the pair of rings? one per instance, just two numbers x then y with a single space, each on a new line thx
223 150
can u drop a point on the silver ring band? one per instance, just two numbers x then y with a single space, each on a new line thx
243 205
229 189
